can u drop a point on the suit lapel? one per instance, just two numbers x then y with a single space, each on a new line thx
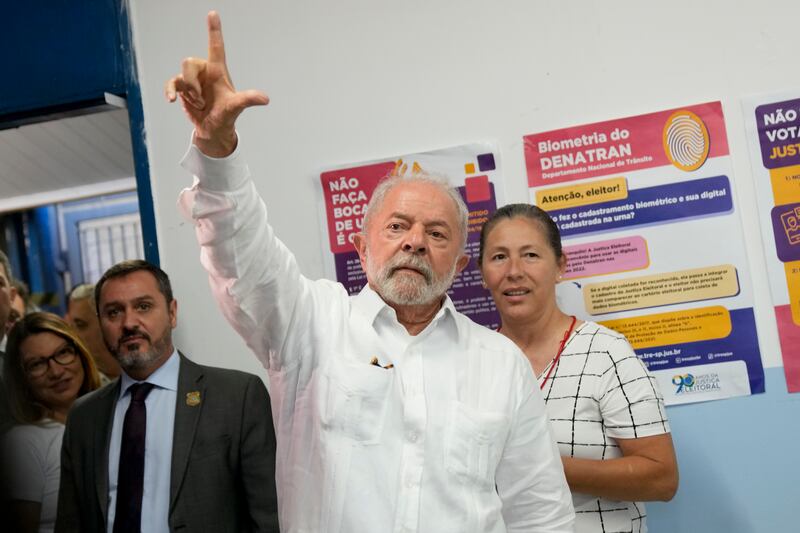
102 440
188 406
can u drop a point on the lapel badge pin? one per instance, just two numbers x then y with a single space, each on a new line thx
193 398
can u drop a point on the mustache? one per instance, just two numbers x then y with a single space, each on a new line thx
132 334
414 262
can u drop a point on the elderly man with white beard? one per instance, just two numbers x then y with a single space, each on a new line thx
393 411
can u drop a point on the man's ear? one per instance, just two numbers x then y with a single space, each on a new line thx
173 313
360 244
462 263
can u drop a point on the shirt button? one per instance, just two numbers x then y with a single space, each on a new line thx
412 437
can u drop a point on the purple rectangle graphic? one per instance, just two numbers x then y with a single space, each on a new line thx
779 133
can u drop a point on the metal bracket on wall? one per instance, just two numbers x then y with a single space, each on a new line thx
98 104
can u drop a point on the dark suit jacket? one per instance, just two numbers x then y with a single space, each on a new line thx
223 456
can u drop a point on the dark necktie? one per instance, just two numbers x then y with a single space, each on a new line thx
130 481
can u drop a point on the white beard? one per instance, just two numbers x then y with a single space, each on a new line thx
406 288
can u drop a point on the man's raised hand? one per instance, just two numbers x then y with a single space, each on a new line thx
208 96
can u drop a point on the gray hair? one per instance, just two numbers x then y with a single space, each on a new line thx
81 292
383 188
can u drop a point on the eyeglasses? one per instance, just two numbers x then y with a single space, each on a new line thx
64 356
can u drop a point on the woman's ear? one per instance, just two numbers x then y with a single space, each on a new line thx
480 271
562 266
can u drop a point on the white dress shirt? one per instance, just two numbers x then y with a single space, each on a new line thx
453 438
160 404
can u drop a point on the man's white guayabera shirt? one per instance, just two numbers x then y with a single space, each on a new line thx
453 438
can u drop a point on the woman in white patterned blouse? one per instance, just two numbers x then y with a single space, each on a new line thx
606 410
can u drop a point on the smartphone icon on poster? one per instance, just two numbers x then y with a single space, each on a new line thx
791 225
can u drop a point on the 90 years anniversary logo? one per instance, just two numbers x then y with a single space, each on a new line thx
689 383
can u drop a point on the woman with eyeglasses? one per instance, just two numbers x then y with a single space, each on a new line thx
606 411
46 368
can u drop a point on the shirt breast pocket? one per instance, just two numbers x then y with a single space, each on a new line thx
474 444
354 399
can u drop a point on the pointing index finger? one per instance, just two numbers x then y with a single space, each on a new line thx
216 46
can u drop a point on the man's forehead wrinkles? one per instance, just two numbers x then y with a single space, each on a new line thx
438 222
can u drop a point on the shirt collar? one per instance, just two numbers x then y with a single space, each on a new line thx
370 305
165 376
449 314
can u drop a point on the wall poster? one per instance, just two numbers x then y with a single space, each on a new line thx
646 208
773 132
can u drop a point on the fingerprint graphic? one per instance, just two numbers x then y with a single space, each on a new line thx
686 140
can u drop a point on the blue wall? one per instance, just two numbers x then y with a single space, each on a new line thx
60 52
739 464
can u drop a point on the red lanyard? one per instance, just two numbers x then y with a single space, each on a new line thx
558 354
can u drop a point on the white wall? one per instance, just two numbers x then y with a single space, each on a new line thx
359 80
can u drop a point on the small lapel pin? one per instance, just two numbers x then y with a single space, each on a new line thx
193 398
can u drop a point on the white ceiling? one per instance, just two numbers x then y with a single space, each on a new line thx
65 159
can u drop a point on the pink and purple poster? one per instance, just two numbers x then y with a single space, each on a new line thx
773 129
647 212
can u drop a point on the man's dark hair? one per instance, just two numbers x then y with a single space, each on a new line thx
128 267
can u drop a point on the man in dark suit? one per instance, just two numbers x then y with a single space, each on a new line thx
171 445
